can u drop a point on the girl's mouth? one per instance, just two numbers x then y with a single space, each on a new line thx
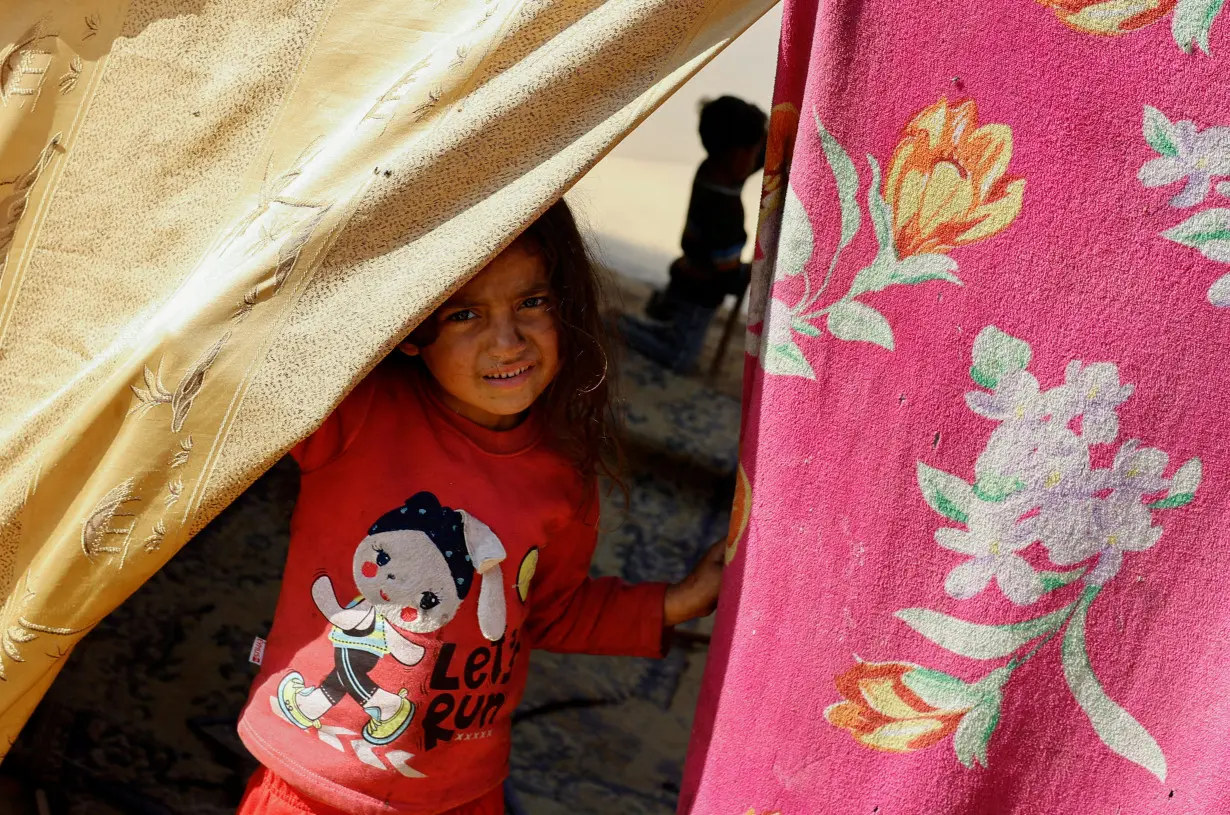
508 375
384 596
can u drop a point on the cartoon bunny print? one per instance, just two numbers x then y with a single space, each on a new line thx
413 570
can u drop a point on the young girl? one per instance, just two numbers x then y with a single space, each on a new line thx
446 520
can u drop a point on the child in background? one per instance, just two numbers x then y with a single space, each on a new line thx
445 525
733 134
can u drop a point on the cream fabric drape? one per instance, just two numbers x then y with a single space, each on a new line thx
217 215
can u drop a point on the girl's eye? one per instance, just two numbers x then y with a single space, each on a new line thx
382 558
534 302
463 316
428 601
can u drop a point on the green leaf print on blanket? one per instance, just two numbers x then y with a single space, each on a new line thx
1192 22
946 186
1196 157
1114 725
1034 483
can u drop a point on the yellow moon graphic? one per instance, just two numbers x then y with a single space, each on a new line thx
529 564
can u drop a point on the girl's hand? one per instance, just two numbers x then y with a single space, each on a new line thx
696 595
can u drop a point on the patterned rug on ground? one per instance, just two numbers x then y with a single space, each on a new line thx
142 718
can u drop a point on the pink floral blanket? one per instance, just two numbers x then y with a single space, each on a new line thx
982 536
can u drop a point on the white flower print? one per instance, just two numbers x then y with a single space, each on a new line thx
1035 479
1027 457
1065 527
776 346
775 329
1219 292
1117 524
1186 479
1139 469
777 323
993 540
1187 153
1015 397
1095 395
1200 155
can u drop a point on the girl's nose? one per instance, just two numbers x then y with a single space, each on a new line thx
507 335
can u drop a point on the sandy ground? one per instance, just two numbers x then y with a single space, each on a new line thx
630 295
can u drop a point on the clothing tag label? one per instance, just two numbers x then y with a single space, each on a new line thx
257 656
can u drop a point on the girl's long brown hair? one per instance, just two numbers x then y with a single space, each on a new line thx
578 406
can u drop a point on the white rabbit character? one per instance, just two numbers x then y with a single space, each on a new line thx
413 570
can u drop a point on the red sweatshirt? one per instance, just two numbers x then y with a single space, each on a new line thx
428 556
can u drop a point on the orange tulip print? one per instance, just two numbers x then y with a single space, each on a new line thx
779 144
1109 17
881 711
740 511
779 149
948 183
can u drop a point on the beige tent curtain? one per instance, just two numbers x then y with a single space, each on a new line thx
217 215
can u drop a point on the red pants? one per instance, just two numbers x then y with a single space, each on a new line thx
269 795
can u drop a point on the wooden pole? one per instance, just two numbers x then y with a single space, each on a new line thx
720 357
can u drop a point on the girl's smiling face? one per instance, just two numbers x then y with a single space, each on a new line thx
497 340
